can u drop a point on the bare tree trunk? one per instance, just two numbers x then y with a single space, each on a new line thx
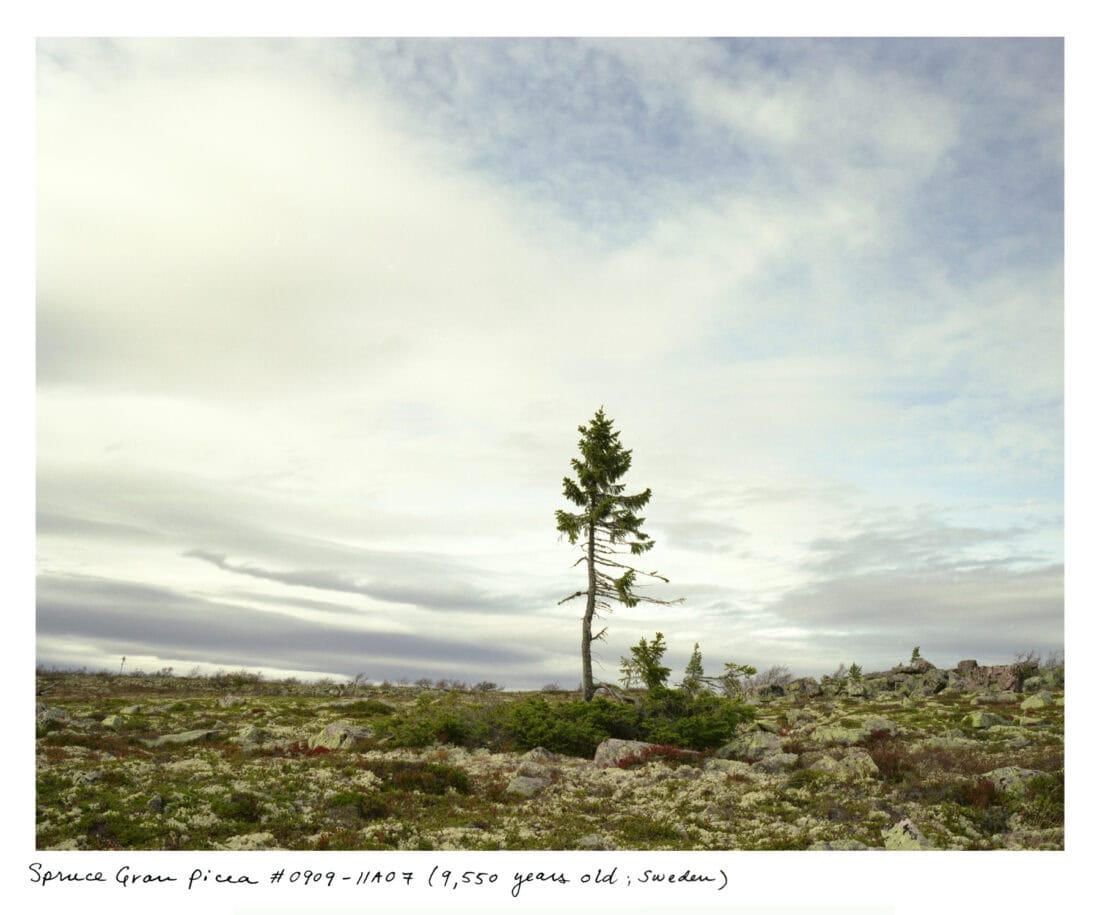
586 626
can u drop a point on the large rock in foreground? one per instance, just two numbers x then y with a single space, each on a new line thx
341 736
614 751
905 836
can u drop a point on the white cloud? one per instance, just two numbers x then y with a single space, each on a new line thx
295 318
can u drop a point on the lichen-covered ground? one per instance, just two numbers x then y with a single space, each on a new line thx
951 771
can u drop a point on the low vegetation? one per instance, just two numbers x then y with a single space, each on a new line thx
238 762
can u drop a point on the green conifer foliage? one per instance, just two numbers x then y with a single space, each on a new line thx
693 673
607 525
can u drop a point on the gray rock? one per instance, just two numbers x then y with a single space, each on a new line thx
984 720
113 721
730 766
1042 699
595 842
952 742
855 763
613 751
875 724
46 713
751 746
905 836
1012 779
778 762
340 735
856 689
182 738
802 716
834 734
525 786
1001 677
839 845
540 754
966 666
804 686
997 698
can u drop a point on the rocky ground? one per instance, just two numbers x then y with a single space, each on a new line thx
915 757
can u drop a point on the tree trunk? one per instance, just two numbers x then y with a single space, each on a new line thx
588 685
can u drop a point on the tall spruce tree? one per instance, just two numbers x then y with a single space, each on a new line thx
607 526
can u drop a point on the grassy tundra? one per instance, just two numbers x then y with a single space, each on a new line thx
237 762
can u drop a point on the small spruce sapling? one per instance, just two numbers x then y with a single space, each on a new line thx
693 673
647 661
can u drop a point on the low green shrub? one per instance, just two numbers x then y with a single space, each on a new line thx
696 721
443 720
573 728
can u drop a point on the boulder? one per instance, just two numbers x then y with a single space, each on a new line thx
964 667
533 769
613 751
994 698
181 738
777 762
1011 779
831 733
1001 677
341 735
877 725
1041 699
804 686
753 746
855 763
729 766
525 786
112 721
984 719
839 845
905 836
856 689
952 742
45 713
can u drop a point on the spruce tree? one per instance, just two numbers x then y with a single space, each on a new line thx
607 526
693 673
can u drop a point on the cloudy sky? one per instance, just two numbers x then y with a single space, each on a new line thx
317 322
